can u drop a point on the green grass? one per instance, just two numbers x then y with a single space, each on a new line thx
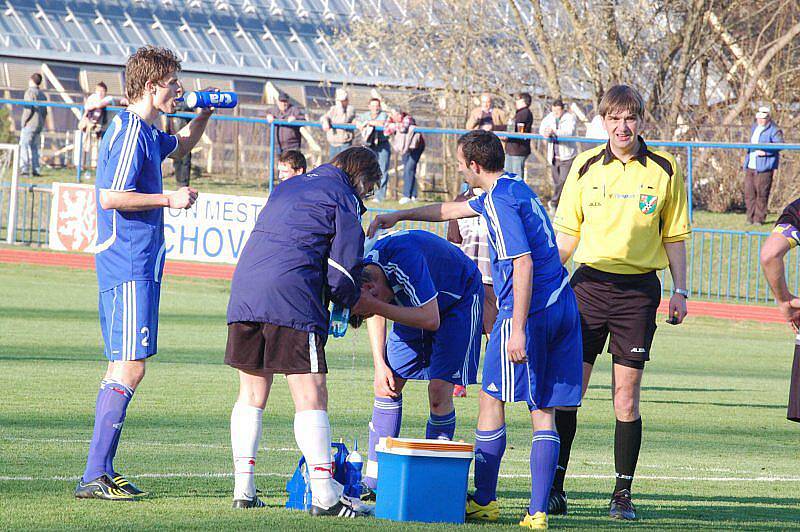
714 412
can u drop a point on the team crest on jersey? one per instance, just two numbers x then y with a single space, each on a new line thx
647 203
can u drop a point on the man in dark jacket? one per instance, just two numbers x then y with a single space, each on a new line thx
305 250
518 150
286 137
759 166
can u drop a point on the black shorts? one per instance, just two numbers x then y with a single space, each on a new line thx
622 305
793 413
272 348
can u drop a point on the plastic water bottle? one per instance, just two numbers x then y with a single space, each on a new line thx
339 318
211 99
354 466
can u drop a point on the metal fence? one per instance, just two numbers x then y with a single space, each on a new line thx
721 264
690 148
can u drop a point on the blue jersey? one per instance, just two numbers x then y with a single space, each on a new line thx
519 226
130 245
421 266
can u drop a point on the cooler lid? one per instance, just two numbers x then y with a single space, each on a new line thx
430 448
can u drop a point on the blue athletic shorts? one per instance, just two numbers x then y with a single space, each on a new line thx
129 320
451 353
553 373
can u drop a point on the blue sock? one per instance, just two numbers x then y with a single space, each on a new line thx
112 402
544 458
489 448
387 413
441 427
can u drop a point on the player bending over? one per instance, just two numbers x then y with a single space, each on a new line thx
434 295
130 250
306 249
534 350
784 237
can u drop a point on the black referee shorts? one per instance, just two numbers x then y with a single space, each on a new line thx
623 306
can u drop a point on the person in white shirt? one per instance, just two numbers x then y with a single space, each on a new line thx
560 154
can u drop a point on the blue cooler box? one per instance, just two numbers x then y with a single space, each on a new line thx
422 480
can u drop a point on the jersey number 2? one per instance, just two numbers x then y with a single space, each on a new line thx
146 340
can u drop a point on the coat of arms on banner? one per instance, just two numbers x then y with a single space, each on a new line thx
647 203
73 217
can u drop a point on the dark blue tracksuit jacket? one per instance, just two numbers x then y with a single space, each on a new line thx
305 250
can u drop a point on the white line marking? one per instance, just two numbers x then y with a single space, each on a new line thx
282 475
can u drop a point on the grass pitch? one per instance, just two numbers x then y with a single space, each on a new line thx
717 452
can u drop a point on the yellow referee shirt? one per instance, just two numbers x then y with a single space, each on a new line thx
623 213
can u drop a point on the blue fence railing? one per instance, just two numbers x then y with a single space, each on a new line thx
689 147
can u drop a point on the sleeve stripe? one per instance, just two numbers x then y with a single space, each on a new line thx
500 243
177 144
403 279
341 269
126 154
115 185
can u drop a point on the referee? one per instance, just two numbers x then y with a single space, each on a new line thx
624 208
785 236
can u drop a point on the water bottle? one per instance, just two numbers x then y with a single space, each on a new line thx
211 99
339 318
354 467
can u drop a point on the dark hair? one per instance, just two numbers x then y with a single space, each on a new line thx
36 78
484 148
148 63
526 97
368 275
295 159
101 84
361 166
374 99
621 98
558 102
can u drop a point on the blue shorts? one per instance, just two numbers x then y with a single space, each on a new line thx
451 353
553 373
129 320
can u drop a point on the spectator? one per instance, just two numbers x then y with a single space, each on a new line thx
517 150
759 166
339 113
409 144
287 137
291 163
486 116
182 168
94 121
31 129
559 123
374 138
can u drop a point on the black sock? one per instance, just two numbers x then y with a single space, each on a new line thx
627 442
566 423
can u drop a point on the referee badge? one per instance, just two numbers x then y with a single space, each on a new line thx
647 203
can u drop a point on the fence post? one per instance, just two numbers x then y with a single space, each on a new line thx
689 179
79 164
11 229
271 155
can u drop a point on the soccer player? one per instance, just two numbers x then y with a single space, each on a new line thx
305 250
291 163
130 250
624 208
434 295
785 236
533 354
